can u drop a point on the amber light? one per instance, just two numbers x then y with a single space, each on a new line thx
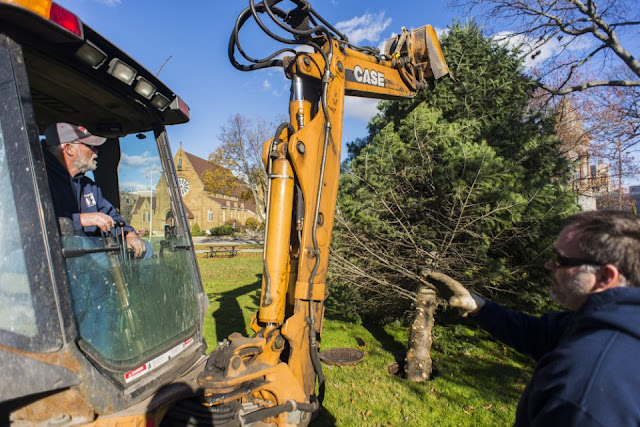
40 7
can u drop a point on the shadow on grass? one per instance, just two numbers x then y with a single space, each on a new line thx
497 380
466 362
490 369
229 316
387 341
324 419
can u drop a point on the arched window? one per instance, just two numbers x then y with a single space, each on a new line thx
210 216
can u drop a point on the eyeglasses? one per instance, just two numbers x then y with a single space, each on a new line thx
90 147
561 261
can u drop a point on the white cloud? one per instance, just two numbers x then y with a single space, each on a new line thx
552 47
110 2
132 186
266 84
365 27
145 159
304 48
285 89
360 108
441 31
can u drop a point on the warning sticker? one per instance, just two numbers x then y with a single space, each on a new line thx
157 362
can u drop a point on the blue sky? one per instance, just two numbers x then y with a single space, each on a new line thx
195 35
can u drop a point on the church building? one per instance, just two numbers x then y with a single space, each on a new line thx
203 207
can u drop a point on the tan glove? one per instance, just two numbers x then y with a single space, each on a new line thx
458 296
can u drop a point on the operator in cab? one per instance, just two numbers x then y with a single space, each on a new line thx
70 151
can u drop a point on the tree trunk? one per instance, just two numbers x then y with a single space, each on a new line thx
418 362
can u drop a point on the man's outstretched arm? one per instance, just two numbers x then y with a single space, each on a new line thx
528 334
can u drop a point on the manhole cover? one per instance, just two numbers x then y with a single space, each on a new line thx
341 356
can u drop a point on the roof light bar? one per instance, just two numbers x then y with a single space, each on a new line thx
90 54
160 101
121 71
144 87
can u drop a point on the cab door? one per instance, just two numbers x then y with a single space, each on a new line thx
31 323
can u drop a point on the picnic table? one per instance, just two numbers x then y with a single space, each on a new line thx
222 250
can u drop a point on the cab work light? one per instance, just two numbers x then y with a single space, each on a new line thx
144 87
121 71
160 101
90 54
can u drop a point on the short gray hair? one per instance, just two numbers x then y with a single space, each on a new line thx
610 237
56 149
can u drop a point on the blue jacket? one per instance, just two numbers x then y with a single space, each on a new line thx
587 362
75 195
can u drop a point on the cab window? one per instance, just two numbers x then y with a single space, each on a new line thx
29 319
129 309
17 314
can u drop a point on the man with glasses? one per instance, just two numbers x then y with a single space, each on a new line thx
586 358
70 152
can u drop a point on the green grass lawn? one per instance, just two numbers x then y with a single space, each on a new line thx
477 381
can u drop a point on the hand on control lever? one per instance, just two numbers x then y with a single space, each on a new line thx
136 244
131 241
458 296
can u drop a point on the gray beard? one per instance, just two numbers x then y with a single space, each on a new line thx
88 166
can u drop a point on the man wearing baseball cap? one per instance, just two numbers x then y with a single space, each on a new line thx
70 152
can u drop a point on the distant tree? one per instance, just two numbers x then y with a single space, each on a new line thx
614 134
465 180
588 35
591 47
195 230
252 223
240 156
617 200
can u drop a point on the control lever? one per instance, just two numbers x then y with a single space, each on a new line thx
122 242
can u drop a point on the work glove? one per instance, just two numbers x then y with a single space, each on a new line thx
457 295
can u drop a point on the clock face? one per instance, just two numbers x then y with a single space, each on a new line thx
183 184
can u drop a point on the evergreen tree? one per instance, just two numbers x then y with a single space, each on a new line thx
464 179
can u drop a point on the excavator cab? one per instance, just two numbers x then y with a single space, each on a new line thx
87 330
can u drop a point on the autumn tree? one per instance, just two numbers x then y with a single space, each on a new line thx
582 47
464 180
240 157
585 34
614 134
618 200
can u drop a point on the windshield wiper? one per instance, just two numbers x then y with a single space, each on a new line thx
76 252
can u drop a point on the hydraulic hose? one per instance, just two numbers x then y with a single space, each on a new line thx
290 406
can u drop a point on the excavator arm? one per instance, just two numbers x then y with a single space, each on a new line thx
272 377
